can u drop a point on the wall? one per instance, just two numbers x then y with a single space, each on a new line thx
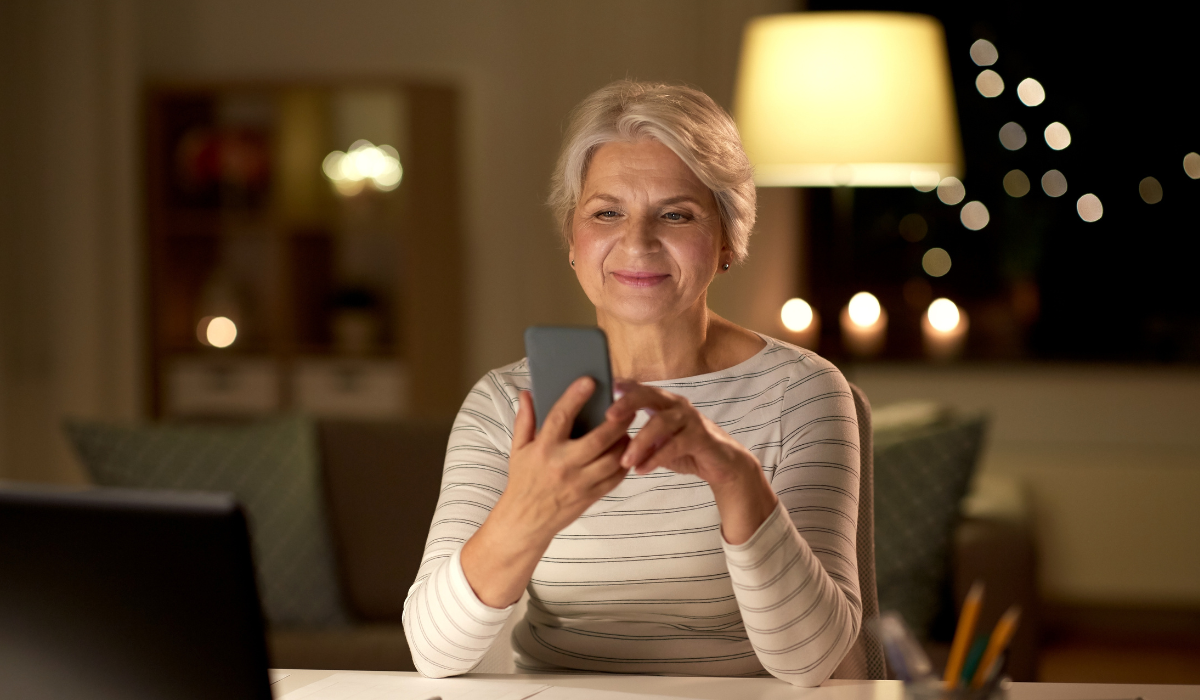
1111 456
70 257
70 280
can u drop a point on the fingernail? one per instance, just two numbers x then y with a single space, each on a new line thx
584 384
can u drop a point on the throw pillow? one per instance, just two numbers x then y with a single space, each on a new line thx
270 466
921 476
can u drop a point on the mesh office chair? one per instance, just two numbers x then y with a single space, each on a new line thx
865 658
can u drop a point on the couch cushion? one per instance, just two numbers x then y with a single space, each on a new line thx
921 476
382 480
271 466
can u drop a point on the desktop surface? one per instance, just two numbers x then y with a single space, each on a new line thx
706 688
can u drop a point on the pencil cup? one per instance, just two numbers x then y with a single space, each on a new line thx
934 690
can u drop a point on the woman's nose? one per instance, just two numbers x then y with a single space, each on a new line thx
640 236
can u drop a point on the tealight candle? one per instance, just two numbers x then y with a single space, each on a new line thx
943 330
864 325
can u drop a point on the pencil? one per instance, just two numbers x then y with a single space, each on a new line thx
962 635
1001 636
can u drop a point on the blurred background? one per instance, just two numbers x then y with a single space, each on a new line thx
216 209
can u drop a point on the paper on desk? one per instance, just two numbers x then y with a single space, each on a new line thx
369 686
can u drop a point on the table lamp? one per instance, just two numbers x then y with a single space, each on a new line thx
861 99
847 99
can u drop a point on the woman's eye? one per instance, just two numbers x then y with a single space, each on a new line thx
673 216
607 214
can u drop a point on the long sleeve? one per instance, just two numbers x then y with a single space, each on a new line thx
796 578
448 628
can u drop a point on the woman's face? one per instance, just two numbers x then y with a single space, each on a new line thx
646 234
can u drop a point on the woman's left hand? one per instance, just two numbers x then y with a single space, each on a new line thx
678 437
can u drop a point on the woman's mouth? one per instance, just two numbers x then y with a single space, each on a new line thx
639 279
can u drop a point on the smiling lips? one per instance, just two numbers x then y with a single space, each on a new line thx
639 279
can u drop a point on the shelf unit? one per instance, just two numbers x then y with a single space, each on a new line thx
344 305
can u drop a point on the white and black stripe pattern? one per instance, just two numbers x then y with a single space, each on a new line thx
643 582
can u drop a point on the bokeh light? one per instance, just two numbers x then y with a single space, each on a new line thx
1191 165
1054 183
936 262
1016 183
925 180
364 162
1012 136
943 315
1151 190
797 315
864 309
989 83
1057 136
913 227
1089 208
974 215
951 191
984 53
220 332
1031 92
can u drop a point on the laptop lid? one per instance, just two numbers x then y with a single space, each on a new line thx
112 593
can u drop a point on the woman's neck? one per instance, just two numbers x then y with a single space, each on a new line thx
694 343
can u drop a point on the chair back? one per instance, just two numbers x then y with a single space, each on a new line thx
865 659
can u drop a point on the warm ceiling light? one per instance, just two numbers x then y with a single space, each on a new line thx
935 262
1012 136
847 98
1057 136
1054 183
864 309
974 215
797 315
1151 190
1089 207
1191 165
989 83
1031 92
951 191
1016 183
983 53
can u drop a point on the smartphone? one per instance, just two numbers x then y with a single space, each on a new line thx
558 355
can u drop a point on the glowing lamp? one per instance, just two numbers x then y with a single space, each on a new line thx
847 98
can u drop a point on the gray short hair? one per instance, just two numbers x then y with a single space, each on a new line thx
681 118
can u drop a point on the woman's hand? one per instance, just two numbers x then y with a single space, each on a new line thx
680 438
552 480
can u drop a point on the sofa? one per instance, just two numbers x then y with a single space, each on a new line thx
381 481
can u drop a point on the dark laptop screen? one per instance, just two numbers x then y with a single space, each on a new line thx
128 594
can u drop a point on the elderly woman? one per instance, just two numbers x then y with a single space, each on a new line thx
708 526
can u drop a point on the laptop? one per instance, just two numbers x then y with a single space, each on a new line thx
112 593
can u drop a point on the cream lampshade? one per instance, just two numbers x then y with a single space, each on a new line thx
862 99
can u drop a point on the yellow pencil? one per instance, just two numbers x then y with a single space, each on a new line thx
962 636
998 642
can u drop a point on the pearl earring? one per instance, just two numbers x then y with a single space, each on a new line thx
572 263
726 266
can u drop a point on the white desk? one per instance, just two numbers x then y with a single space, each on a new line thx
701 688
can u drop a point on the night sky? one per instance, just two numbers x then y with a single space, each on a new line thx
1120 289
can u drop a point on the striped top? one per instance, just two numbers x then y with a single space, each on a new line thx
643 581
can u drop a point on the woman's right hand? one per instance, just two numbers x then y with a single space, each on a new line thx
552 480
